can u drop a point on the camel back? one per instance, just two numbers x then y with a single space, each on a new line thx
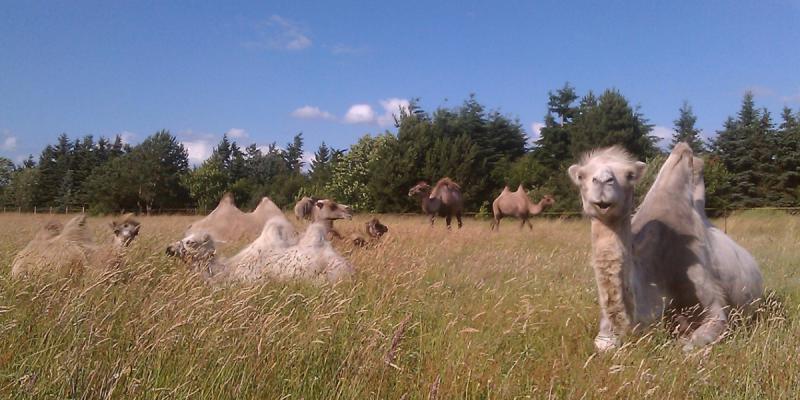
444 184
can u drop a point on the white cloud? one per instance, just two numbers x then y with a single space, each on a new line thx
9 143
392 108
237 133
126 136
536 130
663 134
311 112
199 150
282 34
360 114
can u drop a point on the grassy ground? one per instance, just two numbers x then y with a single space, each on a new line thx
468 314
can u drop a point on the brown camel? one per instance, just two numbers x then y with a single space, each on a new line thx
374 230
444 200
518 204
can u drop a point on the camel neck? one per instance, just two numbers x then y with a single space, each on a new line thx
612 259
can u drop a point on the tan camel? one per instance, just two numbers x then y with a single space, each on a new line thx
304 209
518 204
444 199
326 211
374 230
275 255
659 262
229 224
70 251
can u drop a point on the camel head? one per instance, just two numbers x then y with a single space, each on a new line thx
375 228
606 178
548 200
125 230
330 210
420 189
196 246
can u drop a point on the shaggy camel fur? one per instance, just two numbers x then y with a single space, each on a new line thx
660 261
326 211
275 255
374 230
304 209
518 204
444 199
69 250
229 224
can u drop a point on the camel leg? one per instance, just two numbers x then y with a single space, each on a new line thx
458 217
715 319
496 223
522 223
606 339
527 221
447 219
432 218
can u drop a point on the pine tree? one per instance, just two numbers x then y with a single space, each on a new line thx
293 155
685 130
788 159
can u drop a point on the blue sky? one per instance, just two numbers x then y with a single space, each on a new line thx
264 71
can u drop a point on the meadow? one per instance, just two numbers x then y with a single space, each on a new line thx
430 314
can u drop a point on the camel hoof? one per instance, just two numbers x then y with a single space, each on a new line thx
605 343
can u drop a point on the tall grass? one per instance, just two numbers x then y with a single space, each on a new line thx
431 314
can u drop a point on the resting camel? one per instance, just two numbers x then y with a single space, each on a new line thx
68 250
326 211
661 261
518 204
229 224
304 209
374 230
275 255
443 200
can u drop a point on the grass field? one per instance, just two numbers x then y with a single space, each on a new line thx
431 314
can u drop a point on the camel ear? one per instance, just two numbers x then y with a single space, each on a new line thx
639 168
574 174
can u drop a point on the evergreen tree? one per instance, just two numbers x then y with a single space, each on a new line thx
294 154
685 130
788 159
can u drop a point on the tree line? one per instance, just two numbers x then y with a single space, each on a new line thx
752 161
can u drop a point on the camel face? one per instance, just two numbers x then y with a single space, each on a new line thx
420 189
196 246
375 228
331 210
606 179
548 200
125 231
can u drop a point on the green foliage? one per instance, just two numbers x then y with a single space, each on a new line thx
685 130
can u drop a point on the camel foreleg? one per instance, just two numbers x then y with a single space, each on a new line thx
458 217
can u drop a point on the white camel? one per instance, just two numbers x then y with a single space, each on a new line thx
276 254
667 258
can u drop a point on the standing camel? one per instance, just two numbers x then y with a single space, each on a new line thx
665 259
444 200
518 204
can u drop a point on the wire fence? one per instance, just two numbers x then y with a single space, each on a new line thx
75 209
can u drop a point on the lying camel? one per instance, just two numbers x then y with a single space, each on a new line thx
374 230
229 224
518 204
68 250
665 259
275 255
326 211
304 209
443 200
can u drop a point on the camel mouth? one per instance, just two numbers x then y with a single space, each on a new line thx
602 206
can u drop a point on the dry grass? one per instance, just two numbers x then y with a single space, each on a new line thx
431 314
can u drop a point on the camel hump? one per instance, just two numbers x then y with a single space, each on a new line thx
442 184
49 230
521 188
227 198
76 231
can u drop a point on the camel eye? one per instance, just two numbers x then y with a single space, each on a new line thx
629 176
580 177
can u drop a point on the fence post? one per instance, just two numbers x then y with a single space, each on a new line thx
66 210
34 209
83 209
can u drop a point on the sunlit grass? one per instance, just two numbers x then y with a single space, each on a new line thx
465 314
